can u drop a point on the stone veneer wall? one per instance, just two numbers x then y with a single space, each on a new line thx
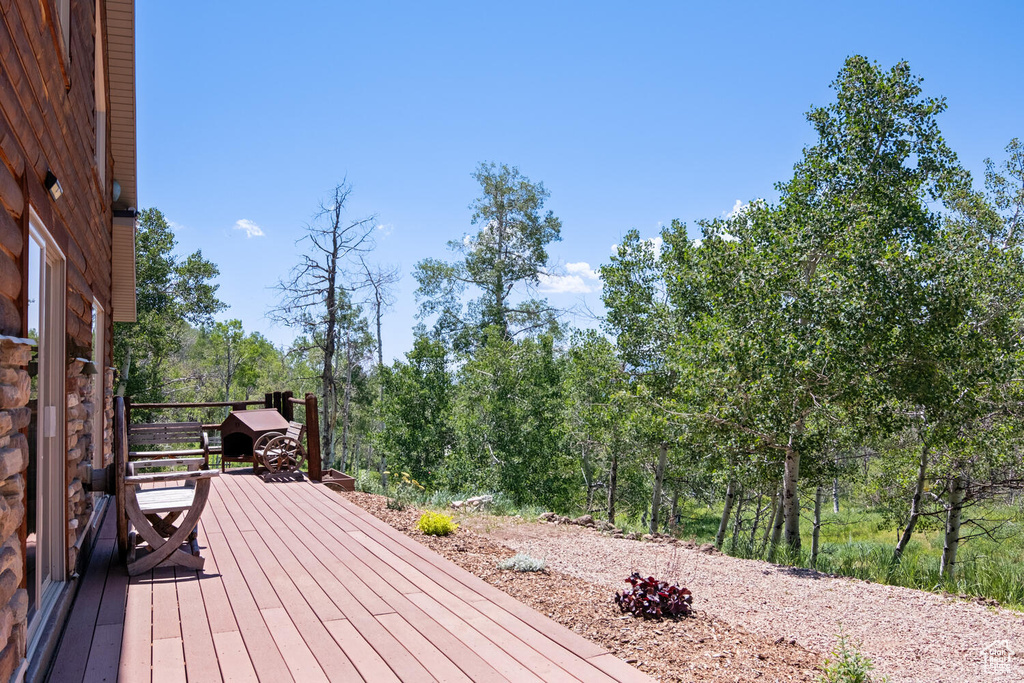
80 415
15 415
108 416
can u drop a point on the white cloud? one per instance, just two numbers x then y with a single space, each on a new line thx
582 269
386 228
581 279
656 242
738 208
250 228
563 284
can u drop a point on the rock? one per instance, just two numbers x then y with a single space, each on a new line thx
20 417
12 461
647 537
707 548
617 534
545 516
14 393
584 520
12 353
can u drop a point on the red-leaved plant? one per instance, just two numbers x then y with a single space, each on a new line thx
653 599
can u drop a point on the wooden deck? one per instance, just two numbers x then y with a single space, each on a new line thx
301 585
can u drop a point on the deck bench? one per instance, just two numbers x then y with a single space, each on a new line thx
169 434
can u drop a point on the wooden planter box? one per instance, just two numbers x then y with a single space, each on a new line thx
338 479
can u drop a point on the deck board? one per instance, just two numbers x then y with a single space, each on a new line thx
301 585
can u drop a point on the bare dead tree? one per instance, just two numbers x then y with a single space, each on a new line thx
379 281
309 295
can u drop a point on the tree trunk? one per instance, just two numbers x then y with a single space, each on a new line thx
818 495
588 477
659 476
672 520
327 373
915 506
347 405
730 495
738 524
768 529
790 499
952 538
758 511
780 521
835 489
613 480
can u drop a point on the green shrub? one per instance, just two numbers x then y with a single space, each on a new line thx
436 524
521 562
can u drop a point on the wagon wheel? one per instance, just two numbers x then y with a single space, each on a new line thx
261 445
283 454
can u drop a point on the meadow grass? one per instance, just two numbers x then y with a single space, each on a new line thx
854 543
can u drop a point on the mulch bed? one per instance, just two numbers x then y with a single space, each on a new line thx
697 648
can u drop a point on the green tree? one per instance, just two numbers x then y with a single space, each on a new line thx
240 363
806 309
505 417
415 410
509 251
171 292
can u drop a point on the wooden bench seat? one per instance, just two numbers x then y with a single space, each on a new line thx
153 503
165 434
170 499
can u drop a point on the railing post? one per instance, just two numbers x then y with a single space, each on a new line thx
268 400
277 401
287 409
313 438
120 458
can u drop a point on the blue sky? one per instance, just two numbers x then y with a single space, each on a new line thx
632 114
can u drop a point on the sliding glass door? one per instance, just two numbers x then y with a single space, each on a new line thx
46 491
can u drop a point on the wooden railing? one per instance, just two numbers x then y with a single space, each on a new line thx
282 401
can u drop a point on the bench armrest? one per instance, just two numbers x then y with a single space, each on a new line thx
164 477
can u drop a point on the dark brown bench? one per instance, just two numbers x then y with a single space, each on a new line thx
154 502
168 434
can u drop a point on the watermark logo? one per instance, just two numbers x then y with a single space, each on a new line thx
996 657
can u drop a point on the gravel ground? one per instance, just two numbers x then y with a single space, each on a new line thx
702 648
910 635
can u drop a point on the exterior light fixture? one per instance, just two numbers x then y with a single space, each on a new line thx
53 185
115 191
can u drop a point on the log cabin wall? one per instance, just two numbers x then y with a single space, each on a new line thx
48 123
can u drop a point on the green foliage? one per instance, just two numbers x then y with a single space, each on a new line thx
172 293
523 562
403 490
436 524
508 251
846 664
415 410
506 419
